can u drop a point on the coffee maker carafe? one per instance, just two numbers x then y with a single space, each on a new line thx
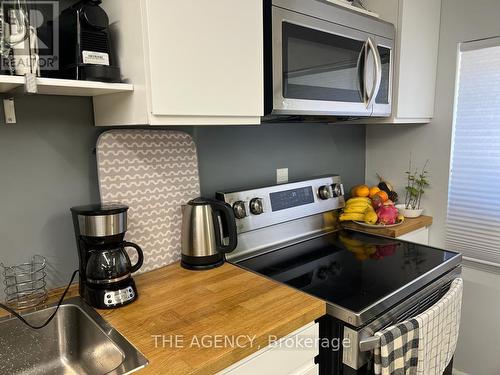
105 267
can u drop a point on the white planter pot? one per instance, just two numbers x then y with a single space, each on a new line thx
409 213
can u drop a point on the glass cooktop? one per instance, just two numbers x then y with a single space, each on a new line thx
350 269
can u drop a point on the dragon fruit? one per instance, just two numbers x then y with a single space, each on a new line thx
387 215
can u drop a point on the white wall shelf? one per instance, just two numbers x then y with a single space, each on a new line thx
67 87
9 83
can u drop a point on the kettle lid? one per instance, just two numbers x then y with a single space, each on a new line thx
200 201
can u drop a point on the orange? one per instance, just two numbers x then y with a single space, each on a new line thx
353 190
362 191
374 190
383 195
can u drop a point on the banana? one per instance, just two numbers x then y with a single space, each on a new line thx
352 217
359 199
371 217
355 210
364 204
358 207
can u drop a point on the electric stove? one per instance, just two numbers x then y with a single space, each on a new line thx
358 275
290 234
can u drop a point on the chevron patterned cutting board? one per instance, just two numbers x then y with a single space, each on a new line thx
154 172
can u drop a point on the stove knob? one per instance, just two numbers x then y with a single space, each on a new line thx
337 190
325 192
256 206
240 212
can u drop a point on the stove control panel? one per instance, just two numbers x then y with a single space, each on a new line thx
262 207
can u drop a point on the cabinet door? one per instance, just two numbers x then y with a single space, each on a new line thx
418 53
206 57
415 57
420 236
292 355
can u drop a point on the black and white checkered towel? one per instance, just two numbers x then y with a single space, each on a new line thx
439 327
398 351
425 344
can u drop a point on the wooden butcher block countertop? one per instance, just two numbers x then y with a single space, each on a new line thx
188 306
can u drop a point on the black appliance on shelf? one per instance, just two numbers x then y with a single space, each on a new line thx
85 44
105 267
289 233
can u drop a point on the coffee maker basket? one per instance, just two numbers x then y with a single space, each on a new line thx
25 284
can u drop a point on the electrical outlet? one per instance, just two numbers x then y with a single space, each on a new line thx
282 175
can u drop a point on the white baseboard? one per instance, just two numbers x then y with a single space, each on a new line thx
456 372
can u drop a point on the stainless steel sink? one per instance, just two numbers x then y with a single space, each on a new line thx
78 341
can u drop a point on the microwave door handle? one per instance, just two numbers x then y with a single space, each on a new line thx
372 45
362 74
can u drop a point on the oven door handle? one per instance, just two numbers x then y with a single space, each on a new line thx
369 344
377 80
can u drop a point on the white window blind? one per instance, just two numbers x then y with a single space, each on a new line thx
473 220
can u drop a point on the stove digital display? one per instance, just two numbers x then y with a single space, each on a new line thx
291 198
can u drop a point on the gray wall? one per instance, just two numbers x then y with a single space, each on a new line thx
47 165
388 148
245 156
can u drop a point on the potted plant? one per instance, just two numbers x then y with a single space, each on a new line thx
417 182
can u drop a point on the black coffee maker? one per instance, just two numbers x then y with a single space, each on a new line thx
105 267
86 51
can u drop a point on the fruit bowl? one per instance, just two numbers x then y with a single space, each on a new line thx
362 223
372 207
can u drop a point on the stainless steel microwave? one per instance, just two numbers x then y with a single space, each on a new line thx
326 60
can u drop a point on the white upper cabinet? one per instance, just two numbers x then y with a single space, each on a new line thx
191 62
417 25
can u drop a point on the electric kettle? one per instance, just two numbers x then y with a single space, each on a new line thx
208 233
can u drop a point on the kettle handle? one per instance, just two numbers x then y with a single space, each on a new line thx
140 256
226 212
